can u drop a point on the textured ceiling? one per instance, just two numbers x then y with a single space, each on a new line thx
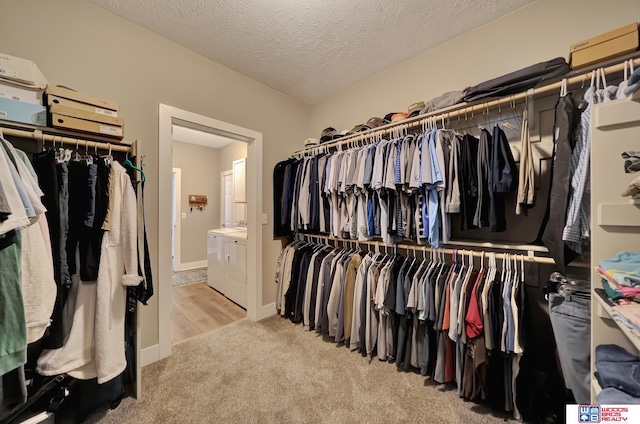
310 49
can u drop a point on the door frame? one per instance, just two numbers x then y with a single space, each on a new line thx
167 116
177 242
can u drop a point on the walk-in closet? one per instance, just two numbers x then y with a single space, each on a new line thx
325 212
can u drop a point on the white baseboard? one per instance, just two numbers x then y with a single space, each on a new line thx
191 265
267 311
149 355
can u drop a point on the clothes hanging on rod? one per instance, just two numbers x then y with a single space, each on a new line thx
69 262
92 351
404 188
570 313
455 321
569 195
27 289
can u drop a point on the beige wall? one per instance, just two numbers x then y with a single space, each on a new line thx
200 175
231 152
538 32
80 45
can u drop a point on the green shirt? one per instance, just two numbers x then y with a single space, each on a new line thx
13 322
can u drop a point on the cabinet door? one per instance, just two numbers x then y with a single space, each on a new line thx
240 180
215 261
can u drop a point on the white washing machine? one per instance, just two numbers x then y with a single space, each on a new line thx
235 275
227 263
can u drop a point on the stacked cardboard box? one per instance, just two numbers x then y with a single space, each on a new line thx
76 111
605 46
21 91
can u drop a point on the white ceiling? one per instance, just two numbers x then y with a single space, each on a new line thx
188 135
310 49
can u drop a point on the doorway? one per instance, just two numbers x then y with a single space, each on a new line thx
203 289
168 117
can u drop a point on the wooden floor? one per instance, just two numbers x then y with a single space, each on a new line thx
199 309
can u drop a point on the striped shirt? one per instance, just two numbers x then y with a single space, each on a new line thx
577 226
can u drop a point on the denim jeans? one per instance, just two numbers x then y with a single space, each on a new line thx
612 396
570 318
618 369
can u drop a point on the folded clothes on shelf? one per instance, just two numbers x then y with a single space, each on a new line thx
612 396
631 161
629 315
623 268
619 294
617 369
633 189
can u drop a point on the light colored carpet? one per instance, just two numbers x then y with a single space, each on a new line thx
192 276
274 372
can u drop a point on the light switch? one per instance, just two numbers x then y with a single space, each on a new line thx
264 219
184 215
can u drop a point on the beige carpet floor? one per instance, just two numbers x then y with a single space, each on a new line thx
274 372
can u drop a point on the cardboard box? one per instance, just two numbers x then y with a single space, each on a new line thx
86 115
27 113
55 100
76 124
21 93
605 46
22 71
66 93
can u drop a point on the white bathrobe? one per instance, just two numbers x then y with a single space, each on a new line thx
98 350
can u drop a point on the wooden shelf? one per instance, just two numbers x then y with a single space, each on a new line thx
604 307
64 133
619 214
501 246
551 87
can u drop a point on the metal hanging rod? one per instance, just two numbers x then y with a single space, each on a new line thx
460 109
71 141
411 247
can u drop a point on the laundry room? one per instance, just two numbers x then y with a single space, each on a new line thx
209 201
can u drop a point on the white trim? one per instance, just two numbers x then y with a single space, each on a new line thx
149 355
167 116
179 266
267 311
191 265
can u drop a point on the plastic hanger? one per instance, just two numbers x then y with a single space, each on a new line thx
108 158
128 163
